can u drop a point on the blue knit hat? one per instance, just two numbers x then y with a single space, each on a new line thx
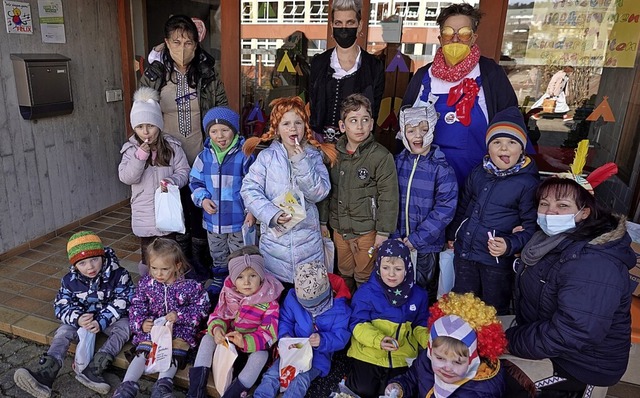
508 123
221 115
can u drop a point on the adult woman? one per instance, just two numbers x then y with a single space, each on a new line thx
572 290
343 70
471 89
189 87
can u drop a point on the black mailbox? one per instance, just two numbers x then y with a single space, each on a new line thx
43 85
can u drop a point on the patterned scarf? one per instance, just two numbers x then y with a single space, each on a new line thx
491 168
398 295
455 73
230 300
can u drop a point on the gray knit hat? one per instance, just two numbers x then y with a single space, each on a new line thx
146 108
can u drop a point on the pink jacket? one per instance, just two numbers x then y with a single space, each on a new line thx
144 183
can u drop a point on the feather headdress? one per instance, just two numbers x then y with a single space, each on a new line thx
596 177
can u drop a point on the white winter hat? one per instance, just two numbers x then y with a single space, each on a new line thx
146 108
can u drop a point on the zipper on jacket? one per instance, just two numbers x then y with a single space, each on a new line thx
373 208
219 198
166 304
406 205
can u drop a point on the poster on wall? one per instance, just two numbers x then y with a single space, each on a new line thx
18 17
597 33
51 21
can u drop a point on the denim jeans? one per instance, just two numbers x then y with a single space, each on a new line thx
492 284
270 384
118 333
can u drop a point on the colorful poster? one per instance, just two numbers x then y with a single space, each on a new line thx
597 33
51 21
18 17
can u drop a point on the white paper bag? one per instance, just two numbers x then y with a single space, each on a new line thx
169 217
84 350
248 234
159 358
447 273
329 253
296 355
222 366
291 202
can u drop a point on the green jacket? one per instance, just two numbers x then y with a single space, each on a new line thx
209 87
364 191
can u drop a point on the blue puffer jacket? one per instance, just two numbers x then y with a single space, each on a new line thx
428 198
332 325
107 296
573 308
499 204
271 175
221 183
419 381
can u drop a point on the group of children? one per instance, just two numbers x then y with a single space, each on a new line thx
387 217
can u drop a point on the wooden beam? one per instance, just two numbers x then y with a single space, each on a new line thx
127 55
491 27
230 63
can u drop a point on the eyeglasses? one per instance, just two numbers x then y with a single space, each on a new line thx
187 97
464 33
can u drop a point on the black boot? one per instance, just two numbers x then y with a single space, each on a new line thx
91 377
38 382
236 390
128 389
201 260
198 377
162 388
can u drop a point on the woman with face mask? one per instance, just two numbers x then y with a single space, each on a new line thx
573 290
343 70
471 89
189 86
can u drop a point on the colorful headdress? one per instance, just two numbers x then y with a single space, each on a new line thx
279 107
480 316
596 177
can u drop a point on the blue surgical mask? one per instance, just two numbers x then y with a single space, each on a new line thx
554 224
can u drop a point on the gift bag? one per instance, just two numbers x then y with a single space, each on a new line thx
549 105
447 273
295 358
222 366
291 202
248 234
84 350
329 253
159 358
169 217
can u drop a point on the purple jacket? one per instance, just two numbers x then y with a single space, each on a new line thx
153 299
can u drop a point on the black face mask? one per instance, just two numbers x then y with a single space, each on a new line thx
345 37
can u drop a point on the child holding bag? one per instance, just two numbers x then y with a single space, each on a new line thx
247 314
318 309
94 296
291 166
163 293
150 159
388 322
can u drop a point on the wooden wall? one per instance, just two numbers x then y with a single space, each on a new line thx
60 169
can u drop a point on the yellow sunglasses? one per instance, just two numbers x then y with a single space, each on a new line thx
464 33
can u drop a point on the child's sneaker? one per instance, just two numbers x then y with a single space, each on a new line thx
91 377
162 388
219 275
38 382
128 389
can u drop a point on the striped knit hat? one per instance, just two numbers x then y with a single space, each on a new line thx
508 123
84 244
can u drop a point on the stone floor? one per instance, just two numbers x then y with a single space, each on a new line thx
31 279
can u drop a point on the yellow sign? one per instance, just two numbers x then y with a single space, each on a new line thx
599 33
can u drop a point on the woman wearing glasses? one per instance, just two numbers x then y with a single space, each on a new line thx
189 86
343 70
471 89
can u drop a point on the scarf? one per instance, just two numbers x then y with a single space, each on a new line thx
220 154
539 245
396 296
231 301
455 73
491 168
